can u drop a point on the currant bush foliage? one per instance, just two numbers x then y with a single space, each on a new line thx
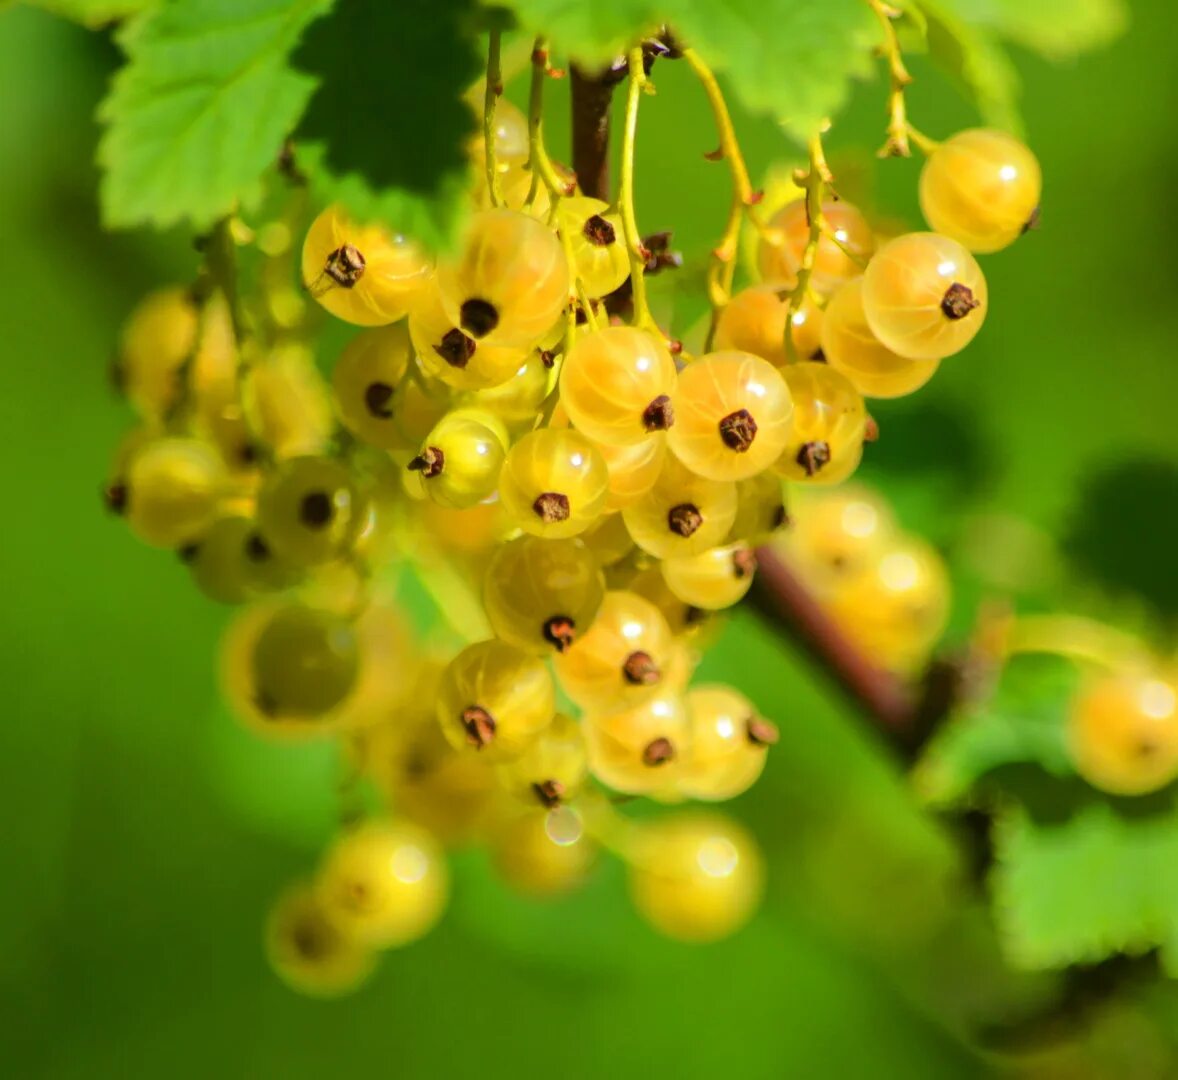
1078 876
384 133
211 88
201 108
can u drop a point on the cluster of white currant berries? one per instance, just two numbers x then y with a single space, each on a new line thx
602 489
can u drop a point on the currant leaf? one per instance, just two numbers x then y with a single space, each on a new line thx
1056 29
91 12
1076 889
386 131
973 59
1022 724
791 59
201 108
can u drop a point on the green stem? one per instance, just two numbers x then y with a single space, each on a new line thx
634 247
491 92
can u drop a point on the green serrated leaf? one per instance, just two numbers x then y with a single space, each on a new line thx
1101 881
1023 723
91 12
385 134
1057 29
973 59
201 108
791 59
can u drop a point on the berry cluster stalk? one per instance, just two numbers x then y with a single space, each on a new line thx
782 596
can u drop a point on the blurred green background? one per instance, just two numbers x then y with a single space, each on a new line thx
144 833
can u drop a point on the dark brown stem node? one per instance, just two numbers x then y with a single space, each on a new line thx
657 752
560 631
345 266
813 456
377 396
456 348
659 414
551 507
738 430
430 462
549 792
684 519
640 669
599 232
958 301
479 726
762 732
744 562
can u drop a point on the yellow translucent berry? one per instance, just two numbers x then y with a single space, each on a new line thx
850 347
230 563
447 791
981 187
713 580
1123 733
456 358
494 700
311 510
460 459
542 595
552 770
684 619
364 380
599 248
683 513
510 281
732 416
510 134
726 751
835 536
309 952
760 508
832 264
384 883
616 385
622 657
554 483
388 664
639 750
633 470
419 402
537 859
517 401
362 274
169 490
695 876
753 321
896 607
305 663
608 540
157 339
826 441
287 403
214 383
924 296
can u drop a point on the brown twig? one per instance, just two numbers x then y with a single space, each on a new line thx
592 95
782 595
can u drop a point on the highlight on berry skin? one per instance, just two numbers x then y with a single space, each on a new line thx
981 187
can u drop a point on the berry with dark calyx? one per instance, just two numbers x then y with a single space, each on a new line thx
494 700
733 414
553 483
924 296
